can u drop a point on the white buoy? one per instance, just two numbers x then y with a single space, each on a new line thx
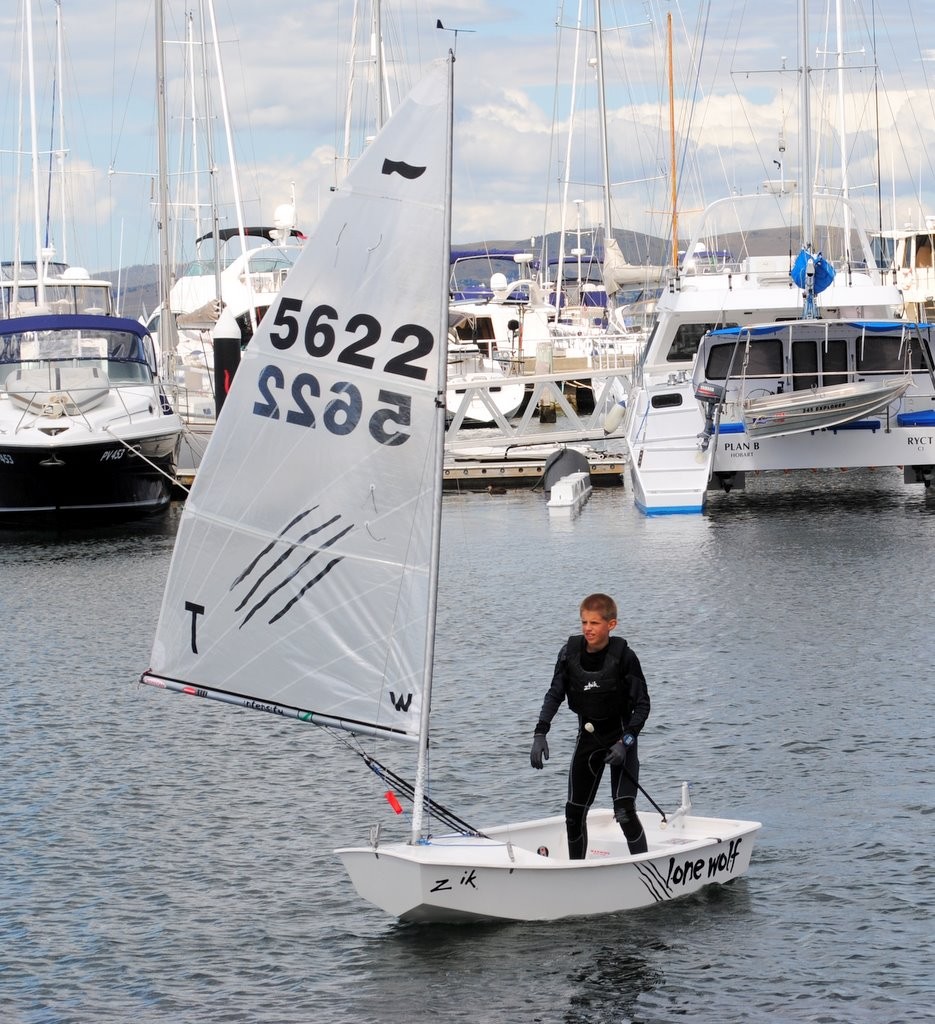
614 418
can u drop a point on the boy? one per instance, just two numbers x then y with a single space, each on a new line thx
602 680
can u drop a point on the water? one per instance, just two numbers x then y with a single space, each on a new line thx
171 860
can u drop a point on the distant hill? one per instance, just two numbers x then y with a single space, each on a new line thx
636 247
138 289
139 285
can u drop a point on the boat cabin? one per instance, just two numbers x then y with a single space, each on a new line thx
59 290
811 374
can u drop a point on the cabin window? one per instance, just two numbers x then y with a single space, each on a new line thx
880 354
764 360
667 401
720 358
804 365
478 329
919 349
834 361
687 338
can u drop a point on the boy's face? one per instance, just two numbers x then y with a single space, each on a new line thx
596 629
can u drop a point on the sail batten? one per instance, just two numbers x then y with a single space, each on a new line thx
302 572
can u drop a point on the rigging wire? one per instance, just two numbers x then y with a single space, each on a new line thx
403 786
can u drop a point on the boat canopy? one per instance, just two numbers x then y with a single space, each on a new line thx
116 339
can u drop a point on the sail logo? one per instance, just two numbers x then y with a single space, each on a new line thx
401 703
403 169
289 564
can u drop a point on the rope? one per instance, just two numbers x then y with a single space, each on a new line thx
407 789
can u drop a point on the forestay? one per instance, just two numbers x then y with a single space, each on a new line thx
300 582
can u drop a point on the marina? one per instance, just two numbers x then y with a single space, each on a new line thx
268 726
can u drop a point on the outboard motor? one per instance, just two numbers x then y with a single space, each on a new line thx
710 395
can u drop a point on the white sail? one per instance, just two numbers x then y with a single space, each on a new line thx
301 578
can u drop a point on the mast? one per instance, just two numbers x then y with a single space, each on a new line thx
214 201
376 77
602 121
808 198
842 129
34 150
434 558
376 55
560 276
168 334
235 180
674 186
61 124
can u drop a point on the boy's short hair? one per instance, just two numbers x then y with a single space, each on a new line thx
602 604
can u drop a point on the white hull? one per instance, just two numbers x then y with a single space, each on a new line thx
481 398
502 877
670 471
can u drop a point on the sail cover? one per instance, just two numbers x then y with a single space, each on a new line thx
300 580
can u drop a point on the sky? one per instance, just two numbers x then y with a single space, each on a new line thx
518 172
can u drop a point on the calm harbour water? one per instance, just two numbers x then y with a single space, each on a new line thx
171 860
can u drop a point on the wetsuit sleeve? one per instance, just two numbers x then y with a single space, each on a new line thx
555 695
639 693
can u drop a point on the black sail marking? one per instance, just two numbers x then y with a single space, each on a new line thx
294 573
311 583
293 546
403 169
269 547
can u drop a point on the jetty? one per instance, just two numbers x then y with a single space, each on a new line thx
565 408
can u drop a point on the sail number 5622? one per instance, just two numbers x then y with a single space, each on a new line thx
340 414
362 331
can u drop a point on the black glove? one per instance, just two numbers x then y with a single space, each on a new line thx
618 752
540 750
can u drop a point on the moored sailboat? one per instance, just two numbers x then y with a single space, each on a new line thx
335 427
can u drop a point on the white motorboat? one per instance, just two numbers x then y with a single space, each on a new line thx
87 433
912 251
812 323
317 505
478 391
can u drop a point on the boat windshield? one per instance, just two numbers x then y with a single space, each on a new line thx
263 256
58 298
471 274
120 354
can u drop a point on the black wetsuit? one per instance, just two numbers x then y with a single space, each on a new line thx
606 689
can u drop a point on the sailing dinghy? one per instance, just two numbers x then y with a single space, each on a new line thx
304 577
